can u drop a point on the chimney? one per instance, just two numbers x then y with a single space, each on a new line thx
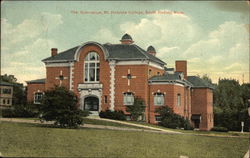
53 51
151 50
181 66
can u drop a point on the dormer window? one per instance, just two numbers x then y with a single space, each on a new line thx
91 67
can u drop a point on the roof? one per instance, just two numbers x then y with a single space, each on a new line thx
115 51
129 52
151 49
37 81
126 37
3 83
67 55
176 77
199 83
166 77
168 69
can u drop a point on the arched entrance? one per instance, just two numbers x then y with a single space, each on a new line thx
91 103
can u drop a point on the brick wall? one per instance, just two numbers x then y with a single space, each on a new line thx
78 72
54 72
202 103
181 66
170 97
32 88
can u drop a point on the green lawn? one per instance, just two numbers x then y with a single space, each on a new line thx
21 139
230 133
107 123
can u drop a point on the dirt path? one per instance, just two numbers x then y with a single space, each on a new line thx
86 125
138 125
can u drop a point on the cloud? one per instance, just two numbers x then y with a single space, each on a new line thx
162 30
234 67
223 50
24 45
29 28
26 63
104 35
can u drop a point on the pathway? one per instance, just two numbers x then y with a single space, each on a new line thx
87 125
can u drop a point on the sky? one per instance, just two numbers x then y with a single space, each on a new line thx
213 36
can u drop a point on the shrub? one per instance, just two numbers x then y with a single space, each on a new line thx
60 105
219 129
8 112
137 109
27 110
171 120
115 115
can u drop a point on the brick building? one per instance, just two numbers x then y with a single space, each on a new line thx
110 76
6 94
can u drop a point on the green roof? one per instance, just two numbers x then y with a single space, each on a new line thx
67 55
166 77
199 83
3 83
115 51
129 52
170 77
41 81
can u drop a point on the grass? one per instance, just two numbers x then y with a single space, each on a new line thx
96 122
107 123
26 140
230 133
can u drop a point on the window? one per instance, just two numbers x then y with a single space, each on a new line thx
6 91
91 67
158 99
157 118
178 100
128 98
38 97
105 99
3 101
158 73
8 101
149 72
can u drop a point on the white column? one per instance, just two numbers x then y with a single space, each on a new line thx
71 67
112 85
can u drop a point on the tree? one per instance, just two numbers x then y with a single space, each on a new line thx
230 104
137 109
60 105
171 120
207 78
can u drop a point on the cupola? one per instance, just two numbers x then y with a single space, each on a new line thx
151 50
126 39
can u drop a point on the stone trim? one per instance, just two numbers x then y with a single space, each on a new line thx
66 64
91 92
164 83
141 62
71 73
112 84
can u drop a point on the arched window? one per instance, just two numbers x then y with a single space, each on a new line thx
91 67
159 99
128 98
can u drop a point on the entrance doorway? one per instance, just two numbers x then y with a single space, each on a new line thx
91 103
196 118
